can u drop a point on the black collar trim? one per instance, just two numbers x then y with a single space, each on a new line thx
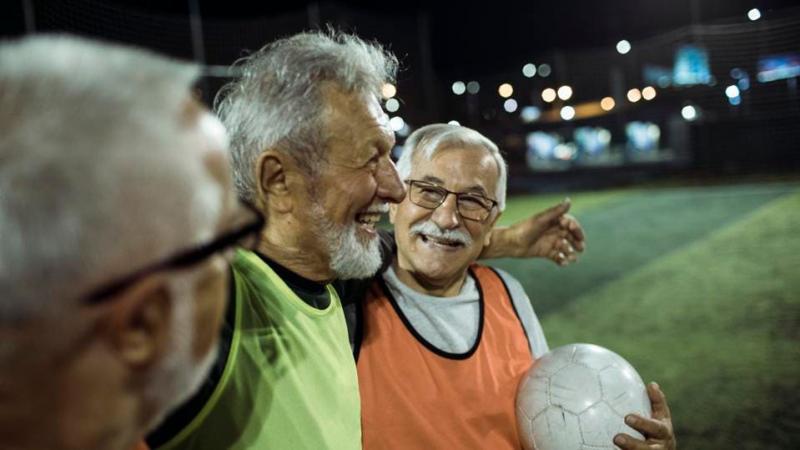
422 340
311 292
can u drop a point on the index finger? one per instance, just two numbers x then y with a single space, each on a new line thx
650 428
628 442
553 213
658 401
574 227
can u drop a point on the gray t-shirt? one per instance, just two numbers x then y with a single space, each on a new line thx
451 323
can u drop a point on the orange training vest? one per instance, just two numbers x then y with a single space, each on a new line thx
415 396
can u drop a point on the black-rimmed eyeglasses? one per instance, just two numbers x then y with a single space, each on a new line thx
471 206
246 236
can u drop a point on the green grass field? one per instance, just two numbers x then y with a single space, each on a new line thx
699 288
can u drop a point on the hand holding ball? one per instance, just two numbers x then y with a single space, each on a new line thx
576 397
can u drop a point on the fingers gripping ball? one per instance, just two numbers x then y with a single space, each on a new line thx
576 397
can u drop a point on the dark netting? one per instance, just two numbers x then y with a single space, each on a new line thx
170 34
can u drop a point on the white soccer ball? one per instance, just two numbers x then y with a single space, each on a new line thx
576 397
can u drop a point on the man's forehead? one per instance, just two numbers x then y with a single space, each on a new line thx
381 119
356 113
375 110
466 167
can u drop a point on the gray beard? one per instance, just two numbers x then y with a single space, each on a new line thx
349 257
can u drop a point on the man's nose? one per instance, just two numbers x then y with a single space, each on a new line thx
390 188
446 215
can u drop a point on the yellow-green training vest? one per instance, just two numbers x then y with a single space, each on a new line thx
290 379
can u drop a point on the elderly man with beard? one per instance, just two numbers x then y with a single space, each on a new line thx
311 148
443 341
117 221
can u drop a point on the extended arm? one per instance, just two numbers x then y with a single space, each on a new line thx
551 234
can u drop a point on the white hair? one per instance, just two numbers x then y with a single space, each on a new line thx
278 102
430 139
95 178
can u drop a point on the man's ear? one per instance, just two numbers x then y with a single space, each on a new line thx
140 322
487 239
273 188
392 212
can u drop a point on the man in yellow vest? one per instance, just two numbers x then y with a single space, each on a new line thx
311 149
442 342
117 223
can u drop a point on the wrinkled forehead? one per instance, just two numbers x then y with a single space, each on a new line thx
376 112
354 115
457 165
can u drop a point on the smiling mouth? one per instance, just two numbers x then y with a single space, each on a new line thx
441 242
368 220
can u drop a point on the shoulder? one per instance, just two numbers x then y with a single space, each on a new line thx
527 316
513 286
508 279
516 293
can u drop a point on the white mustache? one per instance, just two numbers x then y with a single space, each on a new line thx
429 228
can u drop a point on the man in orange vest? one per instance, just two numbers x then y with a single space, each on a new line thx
117 214
441 342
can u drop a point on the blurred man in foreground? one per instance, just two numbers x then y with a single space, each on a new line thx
116 215
444 341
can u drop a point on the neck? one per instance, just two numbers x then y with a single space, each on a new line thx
282 242
435 287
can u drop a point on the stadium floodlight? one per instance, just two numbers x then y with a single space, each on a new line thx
392 105
689 112
754 14
529 70
397 123
567 112
544 70
732 91
388 90
549 95
565 92
505 90
623 47
459 87
530 114
634 95
510 105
